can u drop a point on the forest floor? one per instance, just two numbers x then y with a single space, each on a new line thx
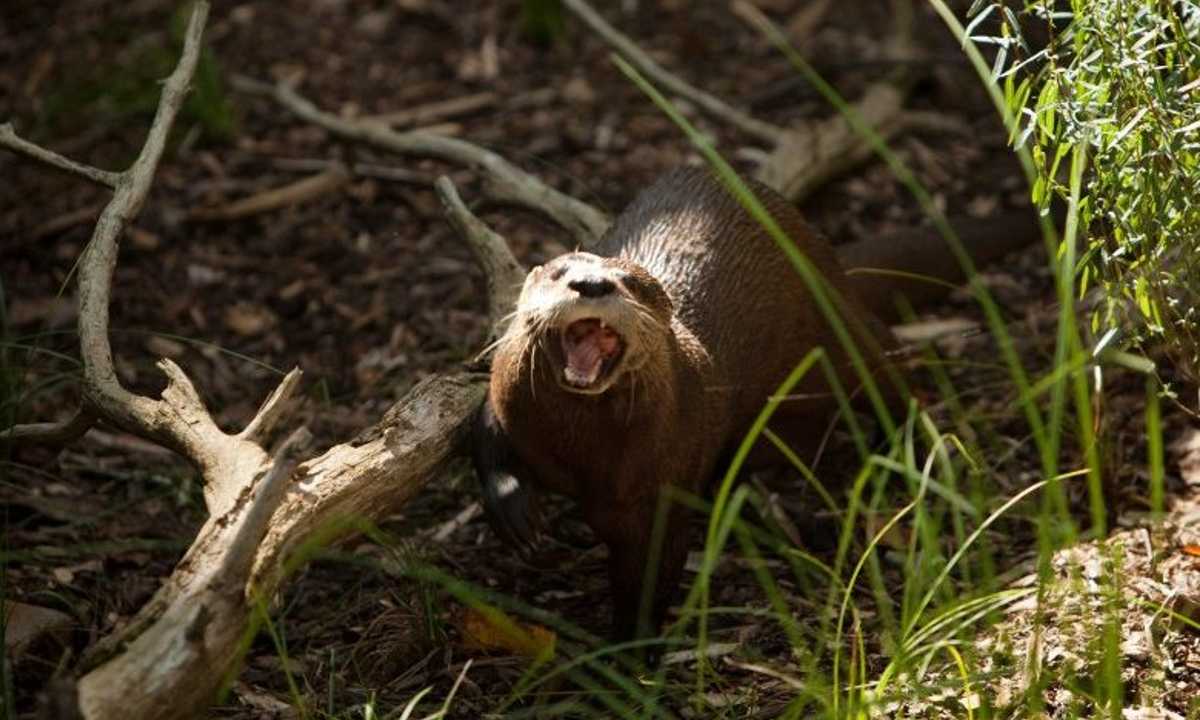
367 289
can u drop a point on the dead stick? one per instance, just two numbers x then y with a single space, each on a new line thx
503 181
710 104
10 140
436 111
331 179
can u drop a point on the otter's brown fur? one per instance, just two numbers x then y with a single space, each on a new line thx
720 317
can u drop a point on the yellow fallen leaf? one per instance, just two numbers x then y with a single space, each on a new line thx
490 631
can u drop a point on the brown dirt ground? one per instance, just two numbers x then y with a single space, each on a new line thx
367 289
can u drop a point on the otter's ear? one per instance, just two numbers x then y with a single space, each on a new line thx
531 278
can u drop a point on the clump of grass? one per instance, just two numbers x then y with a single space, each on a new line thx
543 21
948 586
1122 81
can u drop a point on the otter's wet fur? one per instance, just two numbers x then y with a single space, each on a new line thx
712 316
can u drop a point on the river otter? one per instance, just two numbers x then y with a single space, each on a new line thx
642 363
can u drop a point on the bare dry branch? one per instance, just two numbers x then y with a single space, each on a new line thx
175 667
504 274
390 173
10 140
229 478
330 179
170 658
181 640
436 111
102 390
54 434
710 104
367 480
190 632
810 154
442 532
932 122
503 181
273 409
263 508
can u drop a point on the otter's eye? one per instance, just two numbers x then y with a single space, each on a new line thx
644 290
632 285
558 273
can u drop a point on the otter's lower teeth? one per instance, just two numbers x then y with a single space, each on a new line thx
574 377
587 345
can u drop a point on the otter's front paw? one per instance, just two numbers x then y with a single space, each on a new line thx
509 504
511 510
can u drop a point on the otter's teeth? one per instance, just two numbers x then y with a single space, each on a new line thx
581 379
587 344
584 362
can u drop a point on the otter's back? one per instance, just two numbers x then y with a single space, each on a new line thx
732 286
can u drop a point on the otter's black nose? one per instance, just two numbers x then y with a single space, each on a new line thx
592 287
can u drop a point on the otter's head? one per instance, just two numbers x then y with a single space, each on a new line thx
594 320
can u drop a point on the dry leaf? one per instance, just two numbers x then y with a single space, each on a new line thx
164 347
490 632
248 319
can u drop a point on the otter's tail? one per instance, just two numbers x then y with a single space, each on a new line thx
900 264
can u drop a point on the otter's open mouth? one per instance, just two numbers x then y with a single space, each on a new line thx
591 350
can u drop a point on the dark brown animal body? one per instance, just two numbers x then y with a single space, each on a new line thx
642 365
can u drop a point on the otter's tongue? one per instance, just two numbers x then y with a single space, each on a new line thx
587 344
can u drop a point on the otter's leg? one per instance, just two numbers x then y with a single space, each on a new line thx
509 503
637 555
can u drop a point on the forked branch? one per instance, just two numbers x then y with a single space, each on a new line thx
503 181
170 658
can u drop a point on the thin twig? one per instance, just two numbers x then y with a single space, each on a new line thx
332 178
503 181
442 531
504 274
10 140
436 111
708 103
390 173
53 434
